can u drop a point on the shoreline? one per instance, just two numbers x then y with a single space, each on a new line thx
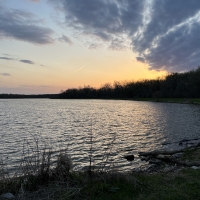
194 101
161 178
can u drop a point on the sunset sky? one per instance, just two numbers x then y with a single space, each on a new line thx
50 45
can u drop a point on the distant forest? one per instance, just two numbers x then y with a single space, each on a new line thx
24 96
174 85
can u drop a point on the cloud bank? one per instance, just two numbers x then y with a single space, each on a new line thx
163 33
23 26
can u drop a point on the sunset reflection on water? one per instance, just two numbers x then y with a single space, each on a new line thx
117 128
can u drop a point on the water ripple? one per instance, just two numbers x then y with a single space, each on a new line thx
116 128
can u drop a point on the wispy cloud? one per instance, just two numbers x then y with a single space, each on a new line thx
35 0
79 69
28 86
5 74
6 58
65 39
35 86
28 62
94 46
45 86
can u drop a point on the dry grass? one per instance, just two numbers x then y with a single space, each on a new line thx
42 179
38 176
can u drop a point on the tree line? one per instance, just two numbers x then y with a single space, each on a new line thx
173 85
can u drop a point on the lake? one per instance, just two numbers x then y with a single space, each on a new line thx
115 127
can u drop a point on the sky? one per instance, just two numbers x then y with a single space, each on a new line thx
51 45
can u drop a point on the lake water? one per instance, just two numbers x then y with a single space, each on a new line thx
116 128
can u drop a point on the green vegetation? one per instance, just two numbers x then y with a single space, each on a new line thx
191 155
184 185
175 85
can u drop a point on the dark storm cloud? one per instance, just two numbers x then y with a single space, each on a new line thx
5 74
104 19
164 33
23 26
28 62
65 39
170 39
